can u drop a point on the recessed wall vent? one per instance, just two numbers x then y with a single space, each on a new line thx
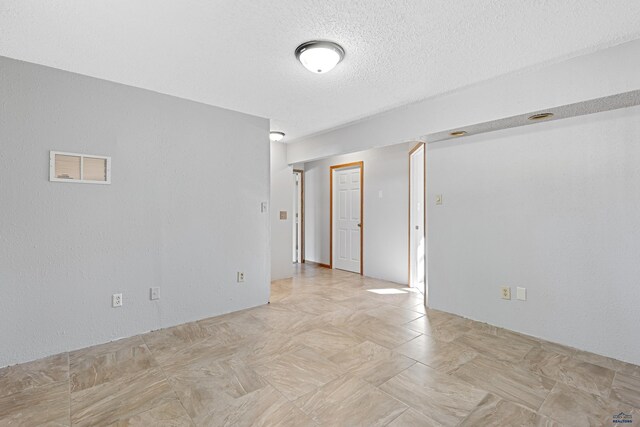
79 168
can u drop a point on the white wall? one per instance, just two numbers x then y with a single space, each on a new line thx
282 190
182 213
599 74
385 219
553 207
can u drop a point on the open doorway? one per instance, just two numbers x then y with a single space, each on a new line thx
298 216
346 220
417 220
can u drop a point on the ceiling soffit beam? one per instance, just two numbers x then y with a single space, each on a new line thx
598 75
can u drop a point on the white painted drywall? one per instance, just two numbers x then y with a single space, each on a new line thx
385 218
182 212
282 190
553 207
599 74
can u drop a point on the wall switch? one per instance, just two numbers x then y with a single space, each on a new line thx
438 199
240 277
505 292
116 300
283 215
154 293
521 294
263 207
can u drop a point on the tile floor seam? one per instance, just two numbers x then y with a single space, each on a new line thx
474 409
285 397
393 397
278 390
544 401
292 402
181 348
166 378
506 398
608 388
619 401
613 380
400 414
409 406
399 373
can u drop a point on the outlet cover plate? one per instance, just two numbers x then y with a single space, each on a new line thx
240 277
154 293
116 300
505 292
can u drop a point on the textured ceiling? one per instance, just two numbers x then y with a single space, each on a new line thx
239 54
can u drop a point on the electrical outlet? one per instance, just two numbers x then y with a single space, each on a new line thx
506 292
154 293
521 294
116 300
240 277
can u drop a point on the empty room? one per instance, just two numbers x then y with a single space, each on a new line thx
319 213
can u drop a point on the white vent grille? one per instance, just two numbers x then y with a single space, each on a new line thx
80 168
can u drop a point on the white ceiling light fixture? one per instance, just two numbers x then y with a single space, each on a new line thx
275 135
319 56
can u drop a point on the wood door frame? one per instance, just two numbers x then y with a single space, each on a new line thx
424 210
301 172
359 164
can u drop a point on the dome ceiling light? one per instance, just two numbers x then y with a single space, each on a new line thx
275 135
319 56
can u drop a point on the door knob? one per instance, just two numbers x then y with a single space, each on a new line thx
359 225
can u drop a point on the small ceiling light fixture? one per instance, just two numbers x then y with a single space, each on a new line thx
275 135
541 116
319 56
458 133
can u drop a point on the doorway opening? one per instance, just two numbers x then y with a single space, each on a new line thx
298 216
346 224
418 220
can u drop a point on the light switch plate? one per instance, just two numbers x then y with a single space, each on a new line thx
263 207
154 293
283 215
438 199
521 293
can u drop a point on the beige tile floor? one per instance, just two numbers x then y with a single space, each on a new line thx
334 349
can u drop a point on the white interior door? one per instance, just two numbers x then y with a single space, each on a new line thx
417 236
346 219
